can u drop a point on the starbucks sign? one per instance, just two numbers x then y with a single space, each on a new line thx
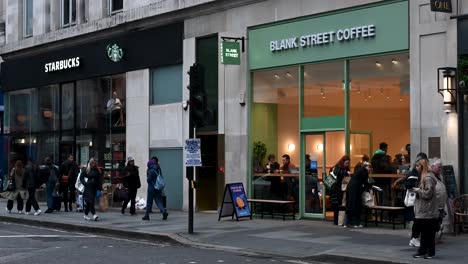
114 52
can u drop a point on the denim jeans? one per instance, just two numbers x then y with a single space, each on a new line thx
155 195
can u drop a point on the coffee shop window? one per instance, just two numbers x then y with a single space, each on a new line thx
275 134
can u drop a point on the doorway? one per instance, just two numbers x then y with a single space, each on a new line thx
321 151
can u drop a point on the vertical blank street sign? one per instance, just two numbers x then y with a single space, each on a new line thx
193 152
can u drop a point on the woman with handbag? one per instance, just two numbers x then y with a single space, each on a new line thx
17 188
340 170
131 182
91 178
358 183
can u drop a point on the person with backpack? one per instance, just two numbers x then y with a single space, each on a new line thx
156 186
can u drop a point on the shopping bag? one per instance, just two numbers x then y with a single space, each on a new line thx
330 181
367 198
103 203
409 198
78 184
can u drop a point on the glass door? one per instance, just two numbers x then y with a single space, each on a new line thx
360 147
321 151
314 169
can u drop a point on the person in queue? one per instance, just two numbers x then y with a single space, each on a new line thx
91 178
50 176
340 170
275 182
131 181
356 186
153 194
441 192
68 171
426 210
19 192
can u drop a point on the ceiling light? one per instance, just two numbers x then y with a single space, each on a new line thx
401 100
378 64
394 61
276 76
289 74
388 97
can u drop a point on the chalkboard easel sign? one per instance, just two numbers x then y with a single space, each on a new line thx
234 202
450 181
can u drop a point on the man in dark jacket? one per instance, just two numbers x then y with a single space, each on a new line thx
153 194
131 181
68 171
33 181
51 177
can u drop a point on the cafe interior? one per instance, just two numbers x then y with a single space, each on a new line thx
288 120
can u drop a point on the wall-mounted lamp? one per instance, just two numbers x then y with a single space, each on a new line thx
319 147
447 87
291 147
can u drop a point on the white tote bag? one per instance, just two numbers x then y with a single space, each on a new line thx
409 198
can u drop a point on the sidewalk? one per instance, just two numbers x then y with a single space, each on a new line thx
307 239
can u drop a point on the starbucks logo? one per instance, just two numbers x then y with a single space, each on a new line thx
114 52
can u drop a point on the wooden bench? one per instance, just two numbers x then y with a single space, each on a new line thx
393 213
284 210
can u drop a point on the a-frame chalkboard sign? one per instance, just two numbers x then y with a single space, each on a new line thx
234 202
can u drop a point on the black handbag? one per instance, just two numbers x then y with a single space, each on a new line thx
120 194
330 181
11 186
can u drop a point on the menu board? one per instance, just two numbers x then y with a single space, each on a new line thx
235 202
450 181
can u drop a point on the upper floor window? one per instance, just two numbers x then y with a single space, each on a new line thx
28 17
115 6
68 12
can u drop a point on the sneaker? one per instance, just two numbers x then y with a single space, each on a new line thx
358 226
86 218
165 214
26 213
20 212
429 256
38 212
418 255
145 218
345 226
414 242
95 217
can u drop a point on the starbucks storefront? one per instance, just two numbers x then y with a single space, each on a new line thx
322 87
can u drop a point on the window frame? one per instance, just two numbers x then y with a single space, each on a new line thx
26 34
70 12
111 11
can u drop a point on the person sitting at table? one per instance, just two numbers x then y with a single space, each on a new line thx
275 181
291 182
380 162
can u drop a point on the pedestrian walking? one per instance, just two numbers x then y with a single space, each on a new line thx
18 188
90 177
50 176
132 182
68 171
154 171
426 210
340 170
33 182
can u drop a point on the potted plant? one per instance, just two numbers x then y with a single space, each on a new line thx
259 153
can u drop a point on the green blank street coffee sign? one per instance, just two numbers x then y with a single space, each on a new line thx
365 30
230 52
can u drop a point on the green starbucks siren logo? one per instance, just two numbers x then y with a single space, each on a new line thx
114 52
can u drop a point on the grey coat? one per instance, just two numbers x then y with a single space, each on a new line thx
425 205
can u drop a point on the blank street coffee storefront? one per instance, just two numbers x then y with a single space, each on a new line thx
72 99
324 86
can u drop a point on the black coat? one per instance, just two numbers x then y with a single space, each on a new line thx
69 168
336 195
92 184
356 186
131 178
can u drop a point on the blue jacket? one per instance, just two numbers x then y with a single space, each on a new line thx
152 174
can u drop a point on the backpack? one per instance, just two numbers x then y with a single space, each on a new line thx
160 182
